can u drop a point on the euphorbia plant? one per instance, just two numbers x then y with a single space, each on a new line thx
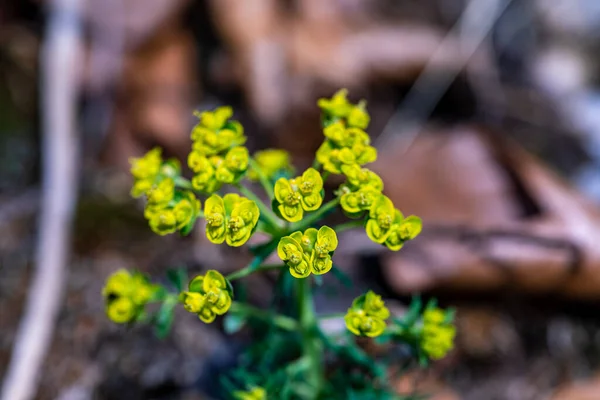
292 357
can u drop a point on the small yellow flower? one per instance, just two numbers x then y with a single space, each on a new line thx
208 296
163 221
358 177
121 310
215 120
193 302
294 196
161 195
374 305
141 187
271 162
335 159
362 324
255 393
437 336
215 133
186 210
230 218
142 290
126 295
337 106
358 117
367 315
361 200
147 166
402 230
291 252
381 218
309 251
233 166
118 284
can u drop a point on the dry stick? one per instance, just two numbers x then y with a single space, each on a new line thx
59 66
475 23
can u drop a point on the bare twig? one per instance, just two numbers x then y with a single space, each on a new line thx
60 67
474 25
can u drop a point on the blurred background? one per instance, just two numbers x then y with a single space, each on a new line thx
486 115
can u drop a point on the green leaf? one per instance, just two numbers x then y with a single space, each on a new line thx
178 278
342 276
164 318
232 323
450 315
186 230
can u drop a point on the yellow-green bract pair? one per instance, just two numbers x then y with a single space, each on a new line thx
303 193
367 315
208 296
309 251
230 219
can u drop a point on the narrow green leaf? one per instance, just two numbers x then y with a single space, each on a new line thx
178 278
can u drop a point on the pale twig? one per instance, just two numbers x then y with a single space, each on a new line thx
60 69
474 25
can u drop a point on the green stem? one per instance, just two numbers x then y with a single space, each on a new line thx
264 180
281 321
317 215
331 316
248 271
316 165
265 211
325 175
183 183
313 347
349 225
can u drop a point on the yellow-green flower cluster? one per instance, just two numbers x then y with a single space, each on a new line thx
150 169
217 155
126 295
230 219
367 315
303 193
308 252
362 188
387 225
256 393
167 209
208 296
437 335
346 142
271 162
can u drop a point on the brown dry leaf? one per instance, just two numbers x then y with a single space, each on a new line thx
160 89
417 383
493 216
586 390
